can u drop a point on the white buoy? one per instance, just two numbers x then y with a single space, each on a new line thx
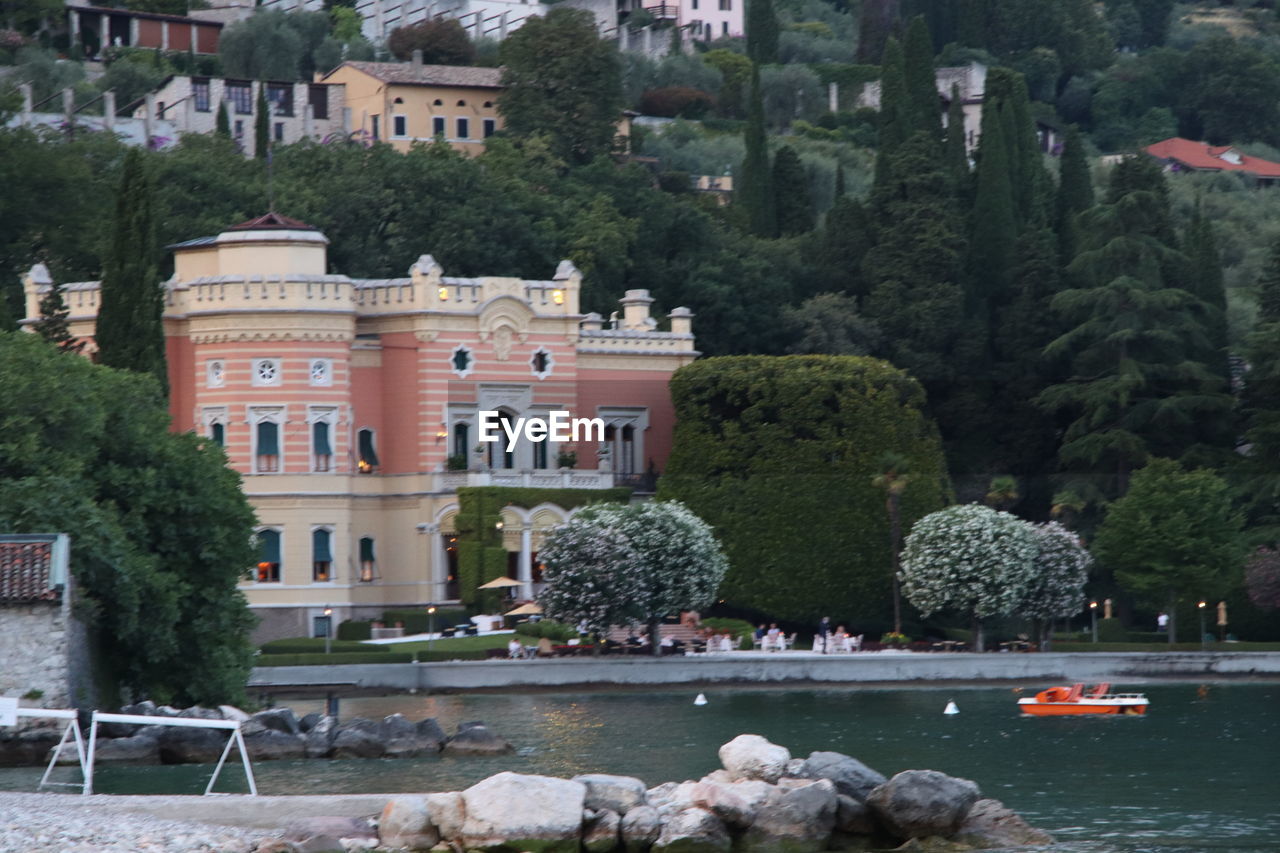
951 708
701 700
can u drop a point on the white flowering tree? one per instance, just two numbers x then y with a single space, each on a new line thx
1057 584
969 558
616 565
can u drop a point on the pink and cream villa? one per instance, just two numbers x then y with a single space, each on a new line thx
350 407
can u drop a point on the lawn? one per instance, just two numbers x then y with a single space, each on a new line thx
460 644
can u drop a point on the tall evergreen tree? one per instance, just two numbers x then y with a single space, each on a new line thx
921 82
1269 288
792 206
877 20
130 328
53 325
1075 193
846 237
1135 388
993 222
755 191
223 126
839 190
894 120
1206 283
762 32
262 125
1262 404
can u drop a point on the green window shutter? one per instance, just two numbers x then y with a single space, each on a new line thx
320 438
269 545
366 550
367 453
268 439
320 552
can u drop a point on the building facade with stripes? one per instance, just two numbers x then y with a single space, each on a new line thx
351 408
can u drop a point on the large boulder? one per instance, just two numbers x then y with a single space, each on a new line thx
448 813
429 729
671 797
850 776
181 745
524 814
127 750
639 828
476 739
616 793
280 719
754 757
406 823
853 817
600 830
736 803
272 745
402 739
196 712
358 738
796 818
693 831
318 742
920 803
303 829
990 825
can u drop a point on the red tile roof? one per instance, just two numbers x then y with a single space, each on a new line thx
1200 156
24 571
272 222
429 75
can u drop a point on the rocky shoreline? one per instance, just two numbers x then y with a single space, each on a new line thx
762 801
274 734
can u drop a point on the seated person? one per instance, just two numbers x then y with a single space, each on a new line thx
773 637
726 643
514 649
760 633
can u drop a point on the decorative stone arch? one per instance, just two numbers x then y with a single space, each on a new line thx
444 554
504 321
542 518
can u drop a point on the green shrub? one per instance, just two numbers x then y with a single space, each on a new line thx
304 645
1111 631
1071 637
556 632
960 635
322 659
419 621
1147 637
740 628
354 631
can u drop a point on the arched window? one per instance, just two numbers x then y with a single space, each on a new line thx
268 569
267 450
218 434
540 454
499 456
368 562
368 462
321 554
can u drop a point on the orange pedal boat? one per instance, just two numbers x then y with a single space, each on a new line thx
1075 700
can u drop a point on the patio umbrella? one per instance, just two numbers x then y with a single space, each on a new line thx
525 610
499 583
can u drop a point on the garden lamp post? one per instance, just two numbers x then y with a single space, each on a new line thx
1200 607
328 628
1093 615
431 626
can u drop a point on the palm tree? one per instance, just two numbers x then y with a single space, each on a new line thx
894 479
1003 492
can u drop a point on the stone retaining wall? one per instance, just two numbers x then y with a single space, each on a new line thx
778 668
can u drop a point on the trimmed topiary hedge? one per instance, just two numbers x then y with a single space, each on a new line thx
778 455
355 631
418 621
303 645
555 631
321 659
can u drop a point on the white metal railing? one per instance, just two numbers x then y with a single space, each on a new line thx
185 722
72 730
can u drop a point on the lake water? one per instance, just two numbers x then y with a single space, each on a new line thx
1200 772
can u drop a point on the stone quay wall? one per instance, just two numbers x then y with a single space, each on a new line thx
782 667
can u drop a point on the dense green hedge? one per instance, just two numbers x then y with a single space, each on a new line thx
354 631
334 659
549 628
302 645
778 455
740 628
481 557
419 621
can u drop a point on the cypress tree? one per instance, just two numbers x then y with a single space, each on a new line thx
839 180
1205 281
921 82
791 193
756 191
894 119
762 32
1262 403
846 237
130 328
262 125
876 22
53 325
223 127
1075 193
993 225
1269 288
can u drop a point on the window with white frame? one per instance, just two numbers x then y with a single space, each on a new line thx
268 569
490 127
399 125
215 373
462 361
267 425
321 371
214 419
464 128
437 125
266 371
366 448
368 560
321 554
322 421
